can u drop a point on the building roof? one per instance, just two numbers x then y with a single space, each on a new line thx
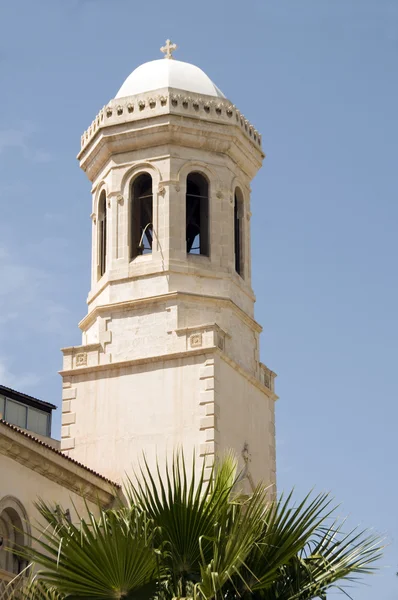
159 74
28 435
30 400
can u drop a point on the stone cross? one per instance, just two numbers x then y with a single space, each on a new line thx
168 49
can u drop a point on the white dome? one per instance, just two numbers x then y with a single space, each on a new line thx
165 73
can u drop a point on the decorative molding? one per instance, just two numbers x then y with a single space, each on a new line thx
170 296
136 362
196 340
53 465
168 101
267 377
81 359
221 341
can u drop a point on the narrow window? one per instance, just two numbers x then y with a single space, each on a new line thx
11 537
38 421
197 214
102 234
141 235
238 232
16 413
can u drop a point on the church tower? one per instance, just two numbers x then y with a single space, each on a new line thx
170 349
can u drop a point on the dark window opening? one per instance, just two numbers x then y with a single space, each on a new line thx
197 214
238 233
142 216
102 234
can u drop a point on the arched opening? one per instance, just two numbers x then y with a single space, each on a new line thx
11 537
102 217
238 232
141 224
197 214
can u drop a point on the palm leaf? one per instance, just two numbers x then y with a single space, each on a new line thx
184 509
108 557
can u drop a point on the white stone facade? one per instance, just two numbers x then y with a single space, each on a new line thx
170 348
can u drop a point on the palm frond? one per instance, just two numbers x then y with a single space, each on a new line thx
108 557
184 508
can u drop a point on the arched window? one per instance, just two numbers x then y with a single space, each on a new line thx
238 232
197 214
13 523
102 234
141 232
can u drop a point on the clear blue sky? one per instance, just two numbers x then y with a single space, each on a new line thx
318 78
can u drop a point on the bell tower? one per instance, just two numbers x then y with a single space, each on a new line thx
170 347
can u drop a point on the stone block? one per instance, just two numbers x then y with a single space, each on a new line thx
206 422
67 444
209 384
66 406
207 448
68 418
69 394
207 473
211 435
206 372
65 431
206 396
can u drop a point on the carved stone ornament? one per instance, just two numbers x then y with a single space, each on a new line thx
178 187
161 190
81 359
220 342
196 340
93 218
120 199
267 379
219 194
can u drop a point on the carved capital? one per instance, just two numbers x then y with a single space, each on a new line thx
93 217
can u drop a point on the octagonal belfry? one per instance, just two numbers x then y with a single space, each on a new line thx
170 349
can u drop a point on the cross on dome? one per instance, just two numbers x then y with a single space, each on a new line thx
168 49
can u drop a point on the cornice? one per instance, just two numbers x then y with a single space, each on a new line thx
52 464
170 296
135 361
143 121
169 101
156 267
205 350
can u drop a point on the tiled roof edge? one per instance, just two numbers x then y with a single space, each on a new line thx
72 460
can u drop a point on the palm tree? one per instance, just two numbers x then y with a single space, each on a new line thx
180 536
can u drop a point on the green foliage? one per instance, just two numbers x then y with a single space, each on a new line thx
182 535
